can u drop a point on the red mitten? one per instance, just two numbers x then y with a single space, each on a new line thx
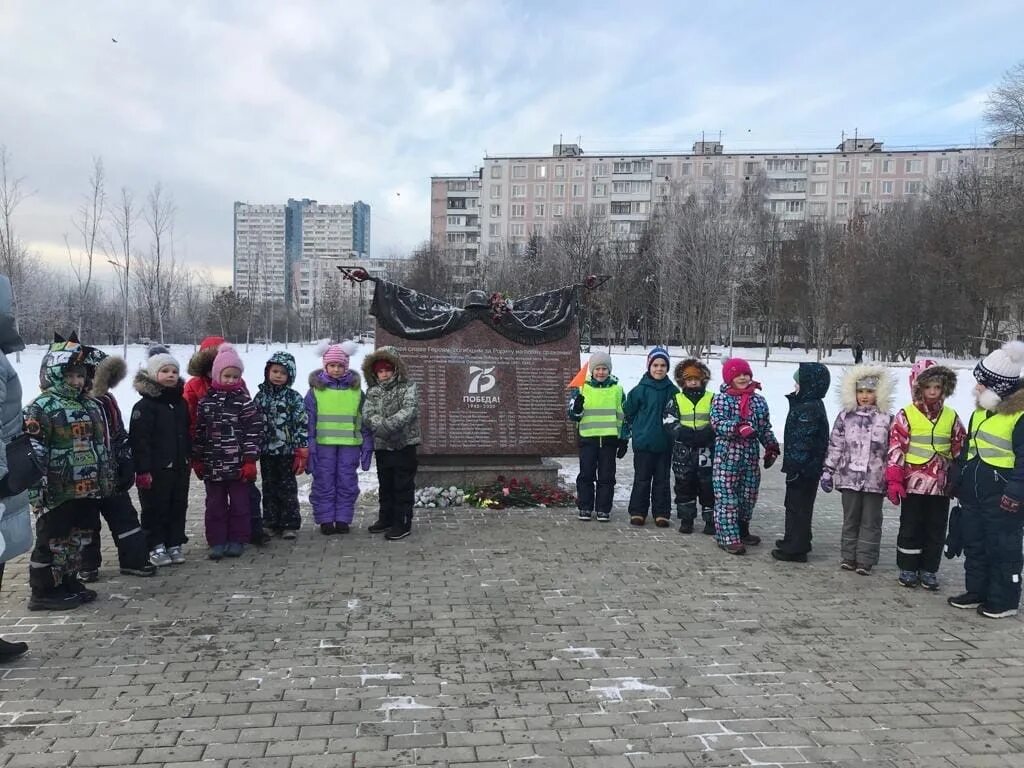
1010 505
143 481
896 489
745 430
299 462
248 473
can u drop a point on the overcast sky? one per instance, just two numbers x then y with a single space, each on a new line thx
342 100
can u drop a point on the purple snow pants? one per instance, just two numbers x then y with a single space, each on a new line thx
228 512
335 483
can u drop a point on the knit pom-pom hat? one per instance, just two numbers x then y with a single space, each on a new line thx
733 367
227 357
336 353
159 357
1000 370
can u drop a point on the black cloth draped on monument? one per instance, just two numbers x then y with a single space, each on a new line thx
537 319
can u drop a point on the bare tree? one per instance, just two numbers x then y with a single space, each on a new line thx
194 293
88 222
159 215
118 249
13 256
1004 110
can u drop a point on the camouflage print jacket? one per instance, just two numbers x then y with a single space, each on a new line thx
285 421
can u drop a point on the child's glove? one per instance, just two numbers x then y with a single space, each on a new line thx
826 483
895 489
248 473
577 405
199 468
770 455
1008 504
365 457
620 452
143 481
745 430
299 462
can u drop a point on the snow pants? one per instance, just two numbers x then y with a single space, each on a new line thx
595 484
129 535
862 526
280 493
692 484
992 540
61 534
228 512
800 494
736 479
396 472
922 532
650 484
164 507
335 483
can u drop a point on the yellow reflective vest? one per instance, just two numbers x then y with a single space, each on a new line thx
694 415
990 437
928 437
338 421
602 411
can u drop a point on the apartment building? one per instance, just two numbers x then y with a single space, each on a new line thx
276 245
516 196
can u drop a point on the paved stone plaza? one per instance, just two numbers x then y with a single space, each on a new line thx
513 640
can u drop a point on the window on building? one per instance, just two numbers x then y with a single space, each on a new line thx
517 230
886 187
843 167
518 171
788 164
687 169
456 221
599 190
820 167
457 186
729 168
577 190
817 209
540 172
620 209
599 209
599 169
538 210
986 162
495 171
456 237
558 190
495 191
842 209
842 187
557 209
537 228
867 166
577 209
517 210
914 166
706 169
540 191
661 190
495 211
794 206
559 171
913 187
579 171
887 166
942 165
663 169
819 188
518 190
865 188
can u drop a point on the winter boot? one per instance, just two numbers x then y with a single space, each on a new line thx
709 527
76 587
583 514
159 557
734 548
863 570
327 529
788 557
341 528
57 599
966 600
848 565
216 552
233 549
746 536
908 578
604 517
687 513
176 555
988 613
147 569
10 651
89 576
637 520
929 581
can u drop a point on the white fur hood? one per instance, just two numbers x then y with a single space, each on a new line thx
848 386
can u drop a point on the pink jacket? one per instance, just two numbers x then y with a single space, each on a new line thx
856 458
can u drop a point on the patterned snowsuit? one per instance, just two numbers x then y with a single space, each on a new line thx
286 426
334 467
735 473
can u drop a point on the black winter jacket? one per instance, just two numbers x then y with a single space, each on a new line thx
159 428
805 441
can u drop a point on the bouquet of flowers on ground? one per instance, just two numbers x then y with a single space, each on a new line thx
503 493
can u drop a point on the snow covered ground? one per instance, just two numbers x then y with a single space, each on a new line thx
776 378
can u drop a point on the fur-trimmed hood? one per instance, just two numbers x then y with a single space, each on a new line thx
201 363
318 379
384 353
110 372
691 362
1012 403
925 372
848 386
147 387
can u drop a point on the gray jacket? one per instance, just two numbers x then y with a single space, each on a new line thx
391 408
15 519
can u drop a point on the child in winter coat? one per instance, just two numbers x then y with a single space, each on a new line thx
339 442
925 438
226 445
67 433
688 422
805 444
740 420
991 487
199 368
103 373
162 449
284 451
597 408
855 463
652 448
391 410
